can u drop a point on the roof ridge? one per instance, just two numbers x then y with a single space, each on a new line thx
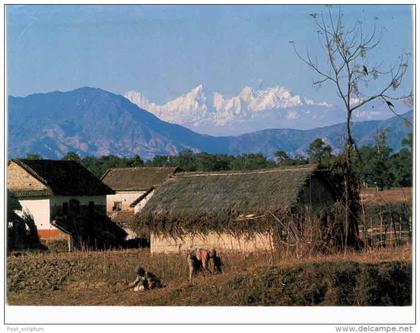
111 170
234 173
146 167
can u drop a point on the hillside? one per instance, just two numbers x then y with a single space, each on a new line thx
382 278
297 141
92 121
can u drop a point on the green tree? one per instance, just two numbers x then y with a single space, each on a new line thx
402 168
281 156
319 152
33 156
161 161
135 161
186 160
98 165
402 163
72 156
209 162
251 162
373 163
408 142
382 168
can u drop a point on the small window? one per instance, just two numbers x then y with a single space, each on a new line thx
117 206
65 208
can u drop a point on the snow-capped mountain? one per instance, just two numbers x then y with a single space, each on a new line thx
188 108
250 110
92 121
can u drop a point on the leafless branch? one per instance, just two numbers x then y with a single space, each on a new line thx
349 71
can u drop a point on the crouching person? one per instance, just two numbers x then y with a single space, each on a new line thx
145 281
194 265
198 260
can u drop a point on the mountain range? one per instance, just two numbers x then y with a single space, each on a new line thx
92 121
252 109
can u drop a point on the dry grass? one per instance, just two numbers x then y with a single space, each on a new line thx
99 278
372 197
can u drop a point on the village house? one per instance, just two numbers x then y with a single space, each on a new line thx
230 210
51 190
133 188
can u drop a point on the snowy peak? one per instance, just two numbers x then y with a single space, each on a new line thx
193 100
274 98
189 108
197 90
202 111
137 98
264 100
247 94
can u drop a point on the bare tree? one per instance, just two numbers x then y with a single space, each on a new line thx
348 67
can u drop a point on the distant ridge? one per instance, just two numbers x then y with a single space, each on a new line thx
92 121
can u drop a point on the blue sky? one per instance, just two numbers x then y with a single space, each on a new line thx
164 51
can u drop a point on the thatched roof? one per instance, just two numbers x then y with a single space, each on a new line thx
136 179
60 178
223 197
242 192
122 218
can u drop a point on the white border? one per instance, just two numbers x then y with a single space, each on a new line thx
137 315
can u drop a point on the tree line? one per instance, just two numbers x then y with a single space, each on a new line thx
376 165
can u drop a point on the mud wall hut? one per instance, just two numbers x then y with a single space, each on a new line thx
229 210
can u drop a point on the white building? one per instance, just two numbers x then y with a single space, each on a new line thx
133 188
51 190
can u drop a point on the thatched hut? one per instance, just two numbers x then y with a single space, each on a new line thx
231 210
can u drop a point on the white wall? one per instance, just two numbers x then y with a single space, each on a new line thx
221 242
141 204
125 197
40 210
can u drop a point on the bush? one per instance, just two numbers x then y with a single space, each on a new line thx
57 245
22 233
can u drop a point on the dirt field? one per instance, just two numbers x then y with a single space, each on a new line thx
370 196
99 278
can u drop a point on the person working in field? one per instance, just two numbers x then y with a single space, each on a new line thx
198 260
145 281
